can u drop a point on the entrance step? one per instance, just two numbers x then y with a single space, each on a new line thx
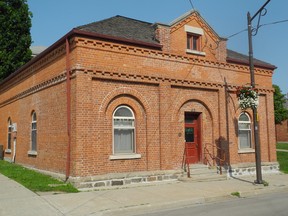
202 173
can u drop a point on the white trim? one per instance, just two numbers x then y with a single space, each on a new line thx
247 150
8 151
33 122
194 30
124 127
195 52
124 156
34 153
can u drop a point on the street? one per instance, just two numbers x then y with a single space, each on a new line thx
261 205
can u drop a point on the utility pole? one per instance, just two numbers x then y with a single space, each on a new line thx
251 65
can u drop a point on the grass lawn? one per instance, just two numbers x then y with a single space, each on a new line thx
283 161
282 146
33 180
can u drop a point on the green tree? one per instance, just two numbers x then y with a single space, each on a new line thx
15 37
280 111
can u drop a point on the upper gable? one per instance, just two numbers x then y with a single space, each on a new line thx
191 35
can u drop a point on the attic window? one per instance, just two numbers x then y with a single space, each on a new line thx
194 36
193 42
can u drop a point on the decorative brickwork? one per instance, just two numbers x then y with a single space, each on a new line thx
158 85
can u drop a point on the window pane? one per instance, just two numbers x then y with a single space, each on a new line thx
123 112
123 140
9 140
244 117
244 126
195 41
189 42
123 122
33 140
34 116
189 118
245 139
189 134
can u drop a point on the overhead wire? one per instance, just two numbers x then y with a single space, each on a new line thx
192 4
266 24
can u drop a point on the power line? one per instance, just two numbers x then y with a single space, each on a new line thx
192 4
272 23
237 33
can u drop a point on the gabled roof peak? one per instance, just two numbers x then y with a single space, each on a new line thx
183 16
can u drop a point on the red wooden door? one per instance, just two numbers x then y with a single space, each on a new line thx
192 138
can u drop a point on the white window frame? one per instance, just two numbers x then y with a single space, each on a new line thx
248 149
198 32
123 155
9 134
33 151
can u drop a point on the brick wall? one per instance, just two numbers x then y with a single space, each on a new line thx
282 131
159 86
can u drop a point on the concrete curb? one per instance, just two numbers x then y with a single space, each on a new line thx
153 207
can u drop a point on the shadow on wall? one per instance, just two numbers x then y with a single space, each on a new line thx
217 154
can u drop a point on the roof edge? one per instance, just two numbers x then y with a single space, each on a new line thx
77 32
266 66
114 38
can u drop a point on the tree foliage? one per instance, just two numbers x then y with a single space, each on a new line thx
15 37
280 111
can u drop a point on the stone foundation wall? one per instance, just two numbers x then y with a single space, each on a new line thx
111 180
250 169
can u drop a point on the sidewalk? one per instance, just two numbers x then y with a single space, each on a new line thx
281 150
16 200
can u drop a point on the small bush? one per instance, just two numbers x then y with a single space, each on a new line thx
237 194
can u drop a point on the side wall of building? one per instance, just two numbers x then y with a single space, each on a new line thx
282 131
40 88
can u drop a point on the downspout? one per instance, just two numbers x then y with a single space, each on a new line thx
68 96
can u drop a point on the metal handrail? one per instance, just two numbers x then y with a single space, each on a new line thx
185 163
221 158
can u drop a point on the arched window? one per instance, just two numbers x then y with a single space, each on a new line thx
244 131
9 135
123 131
33 131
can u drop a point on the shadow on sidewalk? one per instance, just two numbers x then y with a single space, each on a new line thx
243 180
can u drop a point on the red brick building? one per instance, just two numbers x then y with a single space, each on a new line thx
118 98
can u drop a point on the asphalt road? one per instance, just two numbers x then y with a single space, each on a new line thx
261 205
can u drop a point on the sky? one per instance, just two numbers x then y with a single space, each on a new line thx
52 19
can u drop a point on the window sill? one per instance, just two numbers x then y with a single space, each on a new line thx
124 156
195 52
32 153
244 151
8 151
